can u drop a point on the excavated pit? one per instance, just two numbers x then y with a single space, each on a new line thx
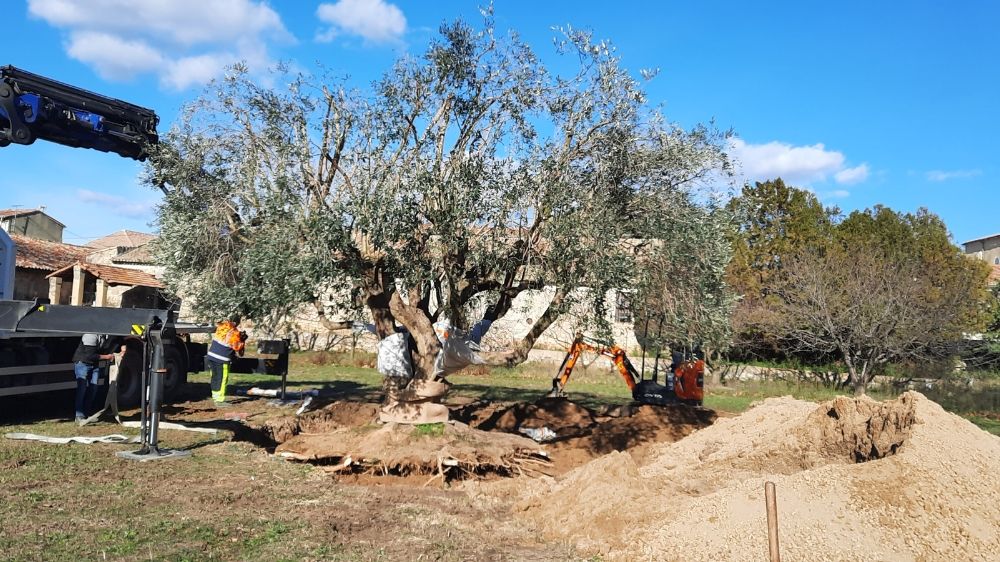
483 440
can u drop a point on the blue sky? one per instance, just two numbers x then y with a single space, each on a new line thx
863 102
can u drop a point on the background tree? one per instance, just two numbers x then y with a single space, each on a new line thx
461 179
886 287
773 221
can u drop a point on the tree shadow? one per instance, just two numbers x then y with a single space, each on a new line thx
511 394
335 390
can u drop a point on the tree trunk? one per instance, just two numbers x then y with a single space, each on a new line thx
519 353
861 382
421 330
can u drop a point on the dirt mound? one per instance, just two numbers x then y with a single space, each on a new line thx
861 429
842 493
450 451
566 418
332 416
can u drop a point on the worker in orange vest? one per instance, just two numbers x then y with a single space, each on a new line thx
227 342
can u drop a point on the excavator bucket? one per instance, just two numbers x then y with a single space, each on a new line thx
33 107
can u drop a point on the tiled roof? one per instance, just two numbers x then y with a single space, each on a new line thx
113 275
45 255
4 213
121 239
139 255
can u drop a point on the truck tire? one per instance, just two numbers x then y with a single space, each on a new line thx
130 376
176 375
129 387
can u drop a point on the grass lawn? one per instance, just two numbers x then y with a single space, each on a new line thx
231 500
591 387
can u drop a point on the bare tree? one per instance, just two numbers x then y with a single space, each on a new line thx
870 307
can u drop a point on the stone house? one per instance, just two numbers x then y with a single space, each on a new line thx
31 223
987 249
114 270
35 260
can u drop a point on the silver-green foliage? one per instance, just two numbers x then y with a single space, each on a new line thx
471 170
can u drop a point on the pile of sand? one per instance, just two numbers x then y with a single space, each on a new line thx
856 480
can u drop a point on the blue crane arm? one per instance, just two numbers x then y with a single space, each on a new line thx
34 107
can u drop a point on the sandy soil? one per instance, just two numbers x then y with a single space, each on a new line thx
856 480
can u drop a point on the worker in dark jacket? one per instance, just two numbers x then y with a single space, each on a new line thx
86 366
227 342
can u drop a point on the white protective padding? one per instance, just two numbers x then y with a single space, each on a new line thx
394 356
458 349
85 440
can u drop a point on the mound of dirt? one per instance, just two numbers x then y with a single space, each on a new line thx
450 451
856 480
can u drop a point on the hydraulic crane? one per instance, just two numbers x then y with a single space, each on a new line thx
33 107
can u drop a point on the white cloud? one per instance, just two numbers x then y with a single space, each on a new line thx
123 38
838 194
188 71
111 56
376 21
852 175
116 205
797 165
945 175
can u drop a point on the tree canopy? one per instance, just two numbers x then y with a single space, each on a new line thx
460 179
877 287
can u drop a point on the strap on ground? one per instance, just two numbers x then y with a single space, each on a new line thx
85 440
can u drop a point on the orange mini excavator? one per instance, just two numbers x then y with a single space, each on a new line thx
685 384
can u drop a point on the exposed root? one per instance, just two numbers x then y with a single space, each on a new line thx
459 453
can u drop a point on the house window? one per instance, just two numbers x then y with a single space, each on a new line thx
623 307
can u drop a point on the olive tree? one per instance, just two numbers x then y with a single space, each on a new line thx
464 176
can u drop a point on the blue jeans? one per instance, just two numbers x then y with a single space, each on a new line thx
86 386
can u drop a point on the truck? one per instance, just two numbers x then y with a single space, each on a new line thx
37 339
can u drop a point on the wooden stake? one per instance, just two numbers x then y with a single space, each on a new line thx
772 521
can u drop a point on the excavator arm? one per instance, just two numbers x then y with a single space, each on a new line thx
581 345
33 107
685 386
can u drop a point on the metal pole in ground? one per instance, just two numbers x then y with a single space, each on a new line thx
772 521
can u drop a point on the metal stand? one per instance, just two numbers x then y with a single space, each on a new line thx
152 396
